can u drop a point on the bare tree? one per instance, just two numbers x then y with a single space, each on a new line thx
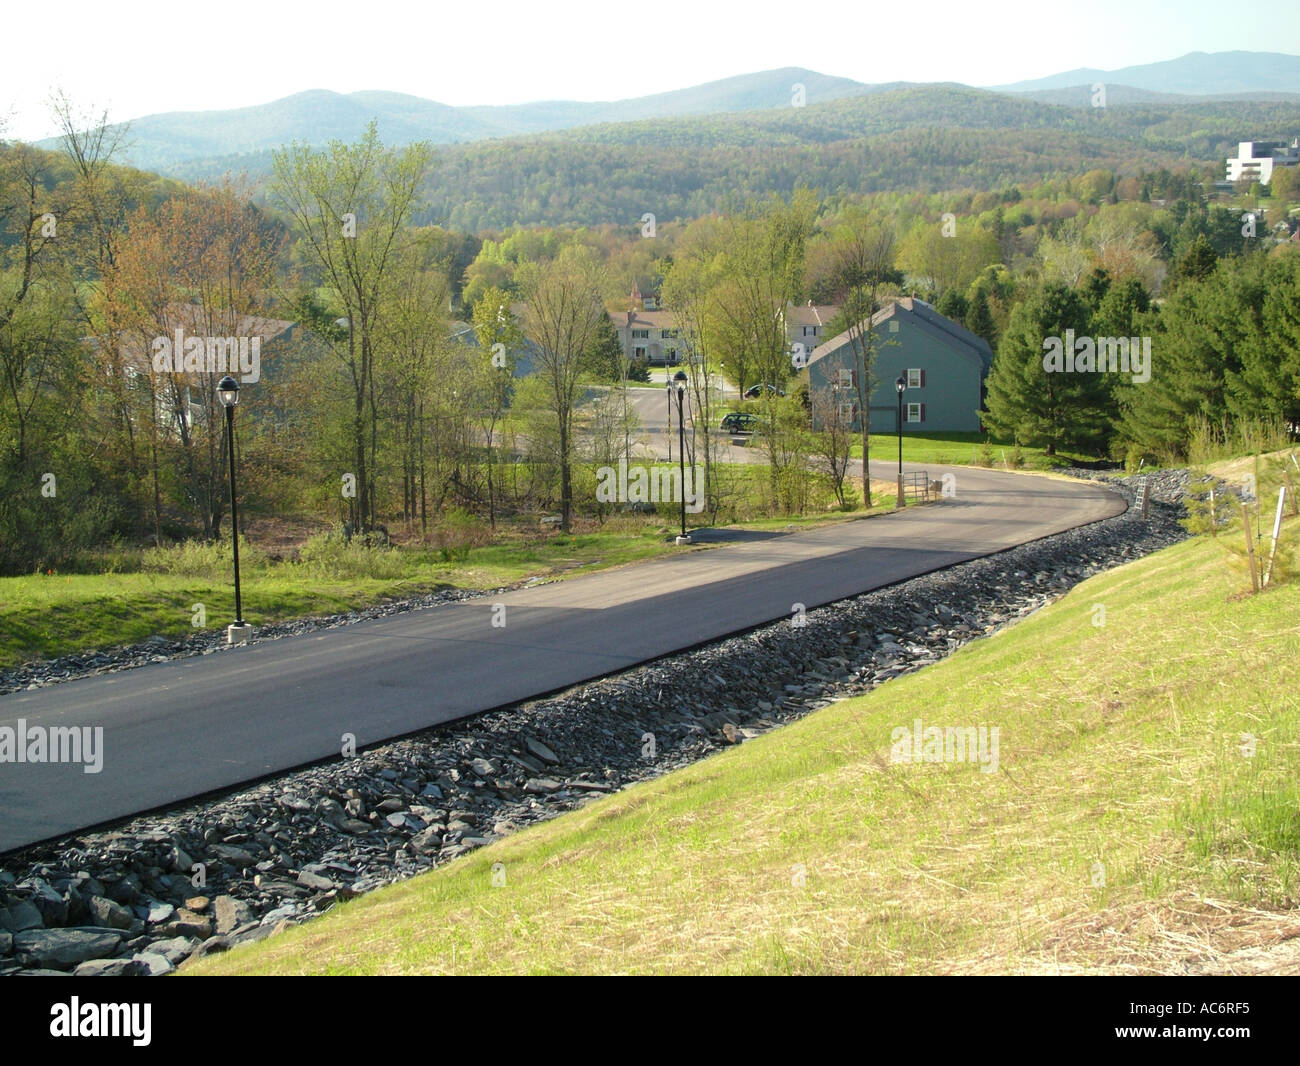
564 308
862 266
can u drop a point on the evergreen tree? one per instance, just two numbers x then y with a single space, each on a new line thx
952 304
979 319
1035 406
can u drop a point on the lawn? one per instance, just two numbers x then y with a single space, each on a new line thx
1145 808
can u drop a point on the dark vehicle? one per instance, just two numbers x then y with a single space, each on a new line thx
755 391
740 422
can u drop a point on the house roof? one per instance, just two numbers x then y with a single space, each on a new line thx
809 314
191 320
921 313
644 319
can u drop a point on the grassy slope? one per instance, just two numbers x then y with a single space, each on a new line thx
1118 744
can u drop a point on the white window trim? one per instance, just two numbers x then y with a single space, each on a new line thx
913 412
913 378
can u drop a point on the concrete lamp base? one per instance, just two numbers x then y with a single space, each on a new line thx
682 540
238 633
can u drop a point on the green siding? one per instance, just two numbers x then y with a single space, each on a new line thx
951 393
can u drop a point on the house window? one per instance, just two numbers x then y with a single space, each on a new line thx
810 331
844 378
638 353
893 325
848 412
667 334
640 334
916 412
916 379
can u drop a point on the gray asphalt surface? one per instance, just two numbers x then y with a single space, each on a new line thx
178 729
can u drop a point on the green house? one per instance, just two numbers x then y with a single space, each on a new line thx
942 363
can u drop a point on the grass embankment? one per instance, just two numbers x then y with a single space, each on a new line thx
1123 827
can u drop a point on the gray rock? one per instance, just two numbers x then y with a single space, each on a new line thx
427 842
6 943
112 968
483 767
315 882
154 911
235 855
539 750
542 785
154 963
106 912
186 924
175 950
212 946
62 949
230 913
22 915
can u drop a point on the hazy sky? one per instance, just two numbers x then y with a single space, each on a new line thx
137 58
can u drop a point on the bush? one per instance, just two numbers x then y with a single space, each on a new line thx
458 533
199 558
330 556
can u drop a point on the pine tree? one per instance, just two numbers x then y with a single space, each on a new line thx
979 319
1037 407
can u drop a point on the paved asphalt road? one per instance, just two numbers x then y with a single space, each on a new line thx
178 729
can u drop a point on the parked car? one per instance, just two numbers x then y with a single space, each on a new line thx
740 422
755 391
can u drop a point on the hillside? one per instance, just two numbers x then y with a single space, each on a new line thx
165 142
917 138
1195 73
1124 829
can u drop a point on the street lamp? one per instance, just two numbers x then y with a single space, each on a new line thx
679 379
238 631
900 384
668 389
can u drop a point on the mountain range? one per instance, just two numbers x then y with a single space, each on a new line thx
205 143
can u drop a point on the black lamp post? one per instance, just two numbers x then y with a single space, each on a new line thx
228 393
668 389
679 379
900 384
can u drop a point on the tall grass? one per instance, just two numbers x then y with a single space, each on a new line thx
1211 441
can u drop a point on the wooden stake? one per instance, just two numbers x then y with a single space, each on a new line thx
1250 548
1290 490
1277 531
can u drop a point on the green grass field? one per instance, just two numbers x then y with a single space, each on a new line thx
1125 826
961 449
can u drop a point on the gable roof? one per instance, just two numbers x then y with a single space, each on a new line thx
955 336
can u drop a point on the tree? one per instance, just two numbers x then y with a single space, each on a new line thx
350 206
979 320
1036 406
564 311
863 264
762 262
499 336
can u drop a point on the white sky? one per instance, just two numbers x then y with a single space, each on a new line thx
139 57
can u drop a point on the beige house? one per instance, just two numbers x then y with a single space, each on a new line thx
652 336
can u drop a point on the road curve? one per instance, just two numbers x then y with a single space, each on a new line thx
178 729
